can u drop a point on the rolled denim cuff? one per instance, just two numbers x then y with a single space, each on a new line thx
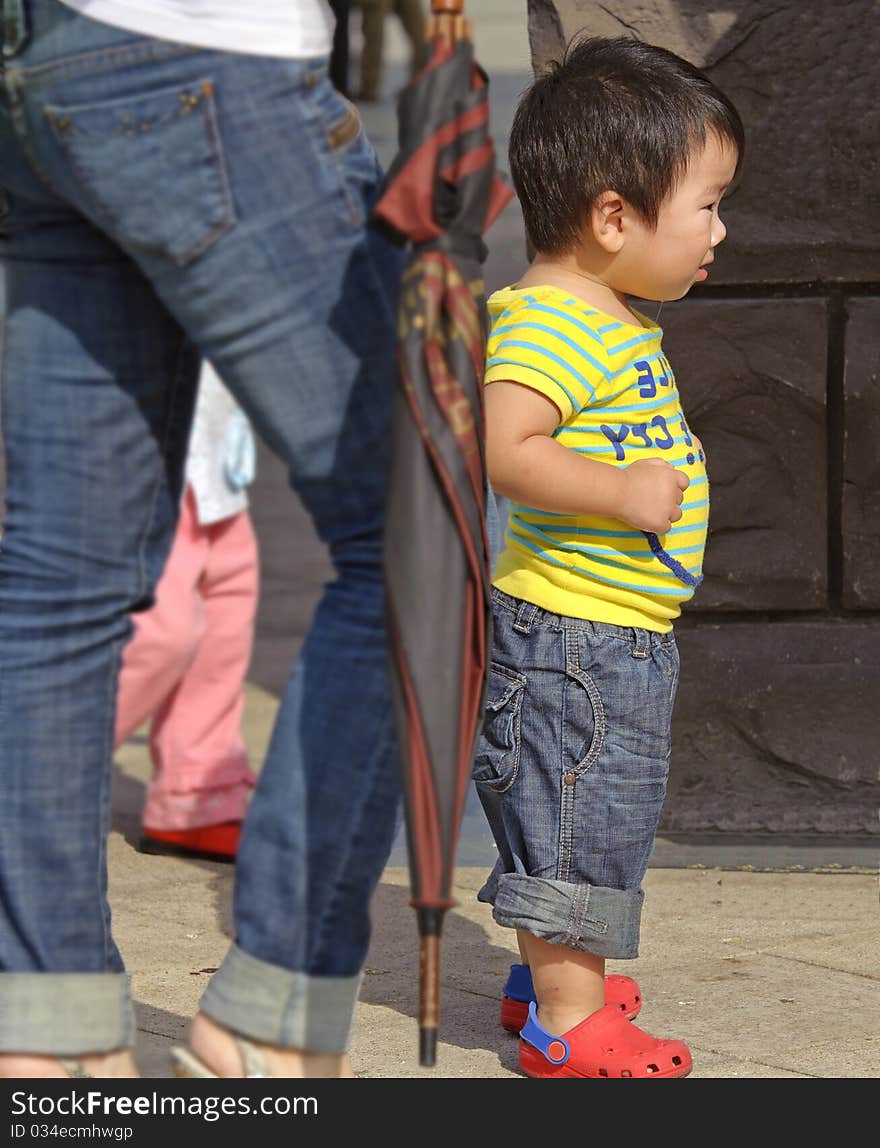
65 1014
278 1006
489 891
590 918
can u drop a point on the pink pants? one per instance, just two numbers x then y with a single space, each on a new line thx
185 668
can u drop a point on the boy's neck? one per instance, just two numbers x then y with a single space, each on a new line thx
565 272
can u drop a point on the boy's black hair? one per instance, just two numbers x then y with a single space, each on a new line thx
613 114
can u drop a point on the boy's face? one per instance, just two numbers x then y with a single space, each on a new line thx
664 263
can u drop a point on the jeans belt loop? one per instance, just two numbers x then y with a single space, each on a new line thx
641 643
525 615
15 27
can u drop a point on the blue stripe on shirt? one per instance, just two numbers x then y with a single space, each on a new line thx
597 532
602 558
541 350
543 307
633 342
681 592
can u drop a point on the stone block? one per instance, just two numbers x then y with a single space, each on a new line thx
775 728
804 81
752 378
861 468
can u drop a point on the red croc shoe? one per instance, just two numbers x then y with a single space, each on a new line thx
602 1047
204 843
622 992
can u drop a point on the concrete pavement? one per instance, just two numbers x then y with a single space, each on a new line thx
765 973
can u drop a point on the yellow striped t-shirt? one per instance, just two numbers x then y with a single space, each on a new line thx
619 403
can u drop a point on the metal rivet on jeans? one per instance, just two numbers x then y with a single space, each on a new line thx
570 778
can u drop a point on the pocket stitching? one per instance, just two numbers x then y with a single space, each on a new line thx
340 135
599 719
337 153
60 123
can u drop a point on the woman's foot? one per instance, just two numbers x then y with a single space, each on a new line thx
218 1050
118 1063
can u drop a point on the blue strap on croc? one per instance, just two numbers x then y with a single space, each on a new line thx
554 1048
519 985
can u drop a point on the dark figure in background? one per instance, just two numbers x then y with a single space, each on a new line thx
411 14
339 53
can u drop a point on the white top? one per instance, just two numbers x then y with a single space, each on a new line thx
292 29
220 461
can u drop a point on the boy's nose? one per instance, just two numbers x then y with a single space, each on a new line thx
719 231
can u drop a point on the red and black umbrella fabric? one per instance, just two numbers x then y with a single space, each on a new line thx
441 194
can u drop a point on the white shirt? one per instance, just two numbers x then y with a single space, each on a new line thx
291 29
220 461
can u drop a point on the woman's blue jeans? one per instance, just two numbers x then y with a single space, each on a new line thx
161 203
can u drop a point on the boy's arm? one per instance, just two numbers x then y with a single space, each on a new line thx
526 464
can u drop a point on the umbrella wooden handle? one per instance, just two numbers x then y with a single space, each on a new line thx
429 1003
451 28
447 20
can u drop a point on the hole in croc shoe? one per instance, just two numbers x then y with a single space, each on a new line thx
623 1008
652 1068
676 1060
603 1071
625 1072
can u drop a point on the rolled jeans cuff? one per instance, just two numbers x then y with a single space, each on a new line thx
277 1006
65 1014
590 918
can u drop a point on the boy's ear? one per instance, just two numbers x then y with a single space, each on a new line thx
606 219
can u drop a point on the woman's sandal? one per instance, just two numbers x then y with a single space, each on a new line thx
187 1065
603 1046
623 992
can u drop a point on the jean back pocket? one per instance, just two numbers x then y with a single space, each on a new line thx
149 169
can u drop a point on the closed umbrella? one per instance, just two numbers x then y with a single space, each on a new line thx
441 194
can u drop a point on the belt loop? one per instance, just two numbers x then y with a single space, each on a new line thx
641 643
525 615
15 27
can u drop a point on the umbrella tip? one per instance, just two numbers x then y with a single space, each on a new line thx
427 1046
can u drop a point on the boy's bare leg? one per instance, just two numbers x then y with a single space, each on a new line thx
31 1066
215 1046
569 984
522 941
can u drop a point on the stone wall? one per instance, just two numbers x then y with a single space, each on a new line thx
778 718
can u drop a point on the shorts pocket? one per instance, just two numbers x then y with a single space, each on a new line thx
497 758
150 169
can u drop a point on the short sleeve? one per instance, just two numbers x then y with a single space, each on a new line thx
530 346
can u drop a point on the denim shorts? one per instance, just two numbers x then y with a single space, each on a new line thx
571 769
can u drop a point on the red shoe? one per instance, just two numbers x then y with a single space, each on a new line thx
603 1046
205 842
623 992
